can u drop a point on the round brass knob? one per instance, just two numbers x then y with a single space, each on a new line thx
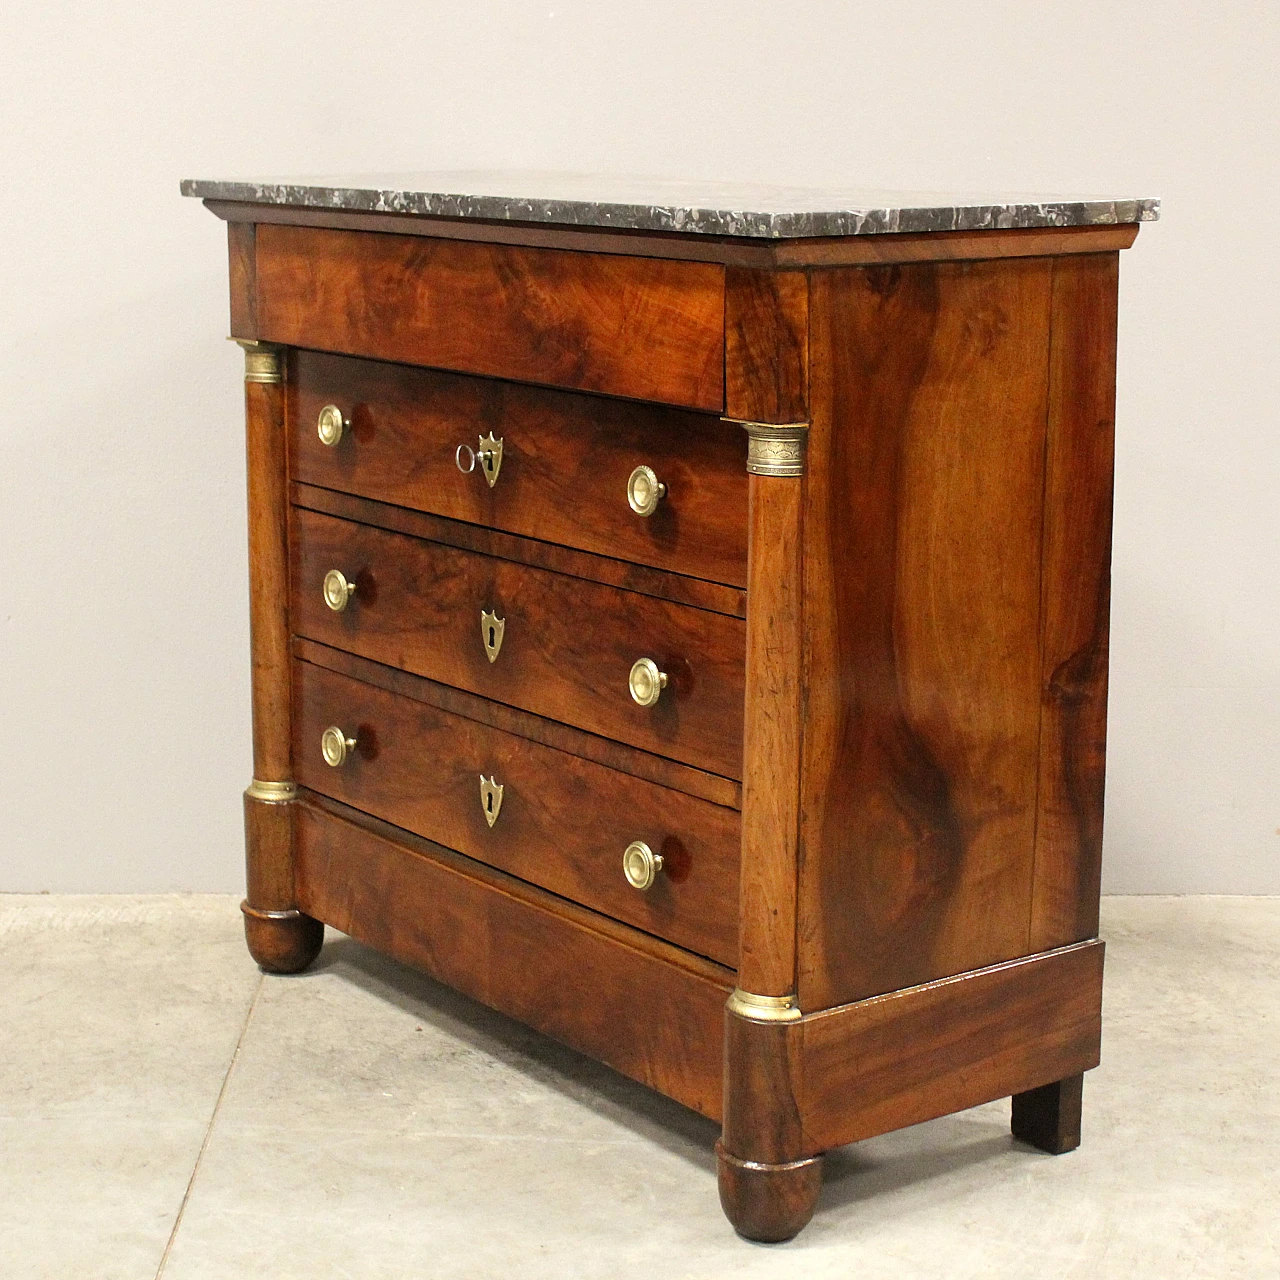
331 425
646 682
641 865
337 590
644 491
336 746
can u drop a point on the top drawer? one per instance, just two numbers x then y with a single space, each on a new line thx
645 328
566 461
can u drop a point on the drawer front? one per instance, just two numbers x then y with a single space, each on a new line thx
563 648
562 822
646 328
566 461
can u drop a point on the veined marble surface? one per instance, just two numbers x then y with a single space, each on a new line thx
656 204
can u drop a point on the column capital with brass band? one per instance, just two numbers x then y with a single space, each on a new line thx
763 1008
263 361
272 792
774 448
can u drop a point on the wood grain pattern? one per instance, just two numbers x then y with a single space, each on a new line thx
766 340
613 755
1076 595
763 1084
922 587
648 1010
543 555
643 328
818 251
566 459
771 739
242 272
927 1051
564 822
567 646
268 842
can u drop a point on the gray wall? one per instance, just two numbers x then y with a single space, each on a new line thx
125 691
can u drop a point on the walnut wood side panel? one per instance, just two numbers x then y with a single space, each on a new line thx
922 535
563 824
928 1051
1076 594
818 251
643 328
567 646
543 555
551 733
648 1010
766 337
566 459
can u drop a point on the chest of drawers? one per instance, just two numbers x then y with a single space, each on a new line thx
685 631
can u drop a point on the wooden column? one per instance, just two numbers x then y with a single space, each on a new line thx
771 730
769 1183
281 939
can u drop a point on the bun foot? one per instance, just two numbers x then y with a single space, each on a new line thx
768 1202
281 941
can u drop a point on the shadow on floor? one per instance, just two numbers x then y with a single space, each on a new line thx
854 1174
589 1083
864 1172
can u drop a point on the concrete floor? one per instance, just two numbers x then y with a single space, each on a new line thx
166 1111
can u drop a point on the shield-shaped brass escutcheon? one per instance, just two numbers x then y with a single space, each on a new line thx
491 631
490 798
490 457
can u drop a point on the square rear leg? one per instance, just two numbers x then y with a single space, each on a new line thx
1049 1117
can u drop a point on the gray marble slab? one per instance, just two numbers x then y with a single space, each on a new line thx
656 204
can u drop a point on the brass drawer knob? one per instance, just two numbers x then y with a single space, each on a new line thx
332 426
644 491
641 865
337 590
335 746
646 682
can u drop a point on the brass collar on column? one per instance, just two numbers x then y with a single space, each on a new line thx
272 792
763 1008
263 362
774 449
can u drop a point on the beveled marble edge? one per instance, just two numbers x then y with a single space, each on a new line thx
692 208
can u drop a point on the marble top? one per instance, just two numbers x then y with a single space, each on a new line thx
657 204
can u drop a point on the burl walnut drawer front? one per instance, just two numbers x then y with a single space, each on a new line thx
553 819
645 328
664 677
565 470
